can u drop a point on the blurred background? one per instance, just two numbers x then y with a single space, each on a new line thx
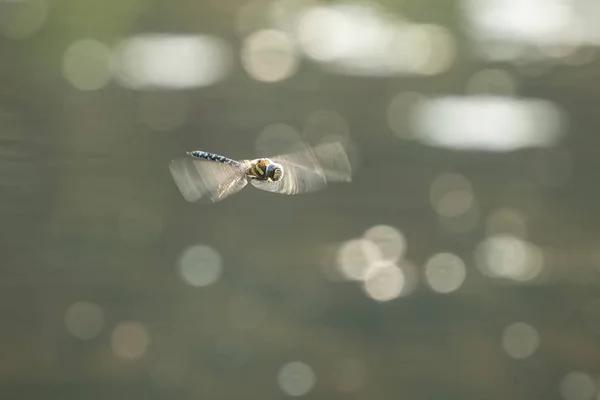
462 261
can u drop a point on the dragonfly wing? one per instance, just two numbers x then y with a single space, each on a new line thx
233 186
206 180
309 170
334 161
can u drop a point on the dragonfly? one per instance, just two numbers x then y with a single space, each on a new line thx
208 176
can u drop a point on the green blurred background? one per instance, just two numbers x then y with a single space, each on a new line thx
461 262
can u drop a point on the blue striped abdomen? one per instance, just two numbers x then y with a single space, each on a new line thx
213 157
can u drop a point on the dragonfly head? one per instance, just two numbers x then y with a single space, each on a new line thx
274 172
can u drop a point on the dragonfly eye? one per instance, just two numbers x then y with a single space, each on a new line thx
274 172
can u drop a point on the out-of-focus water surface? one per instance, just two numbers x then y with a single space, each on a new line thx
462 262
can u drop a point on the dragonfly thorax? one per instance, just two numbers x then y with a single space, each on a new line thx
264 169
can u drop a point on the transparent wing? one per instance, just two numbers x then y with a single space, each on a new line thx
235 185
334 162
206 180
309 169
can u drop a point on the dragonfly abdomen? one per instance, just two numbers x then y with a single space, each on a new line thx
205 155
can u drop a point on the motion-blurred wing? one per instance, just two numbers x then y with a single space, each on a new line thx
309 170
206 180
235 185
334 161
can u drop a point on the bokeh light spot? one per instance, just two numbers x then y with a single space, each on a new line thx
577 385
505 221
442 53
355 257
361 39
171 61
451 195
520 340
200 265
317 29
296 378
461 223
384 282
86 64
22 18
130 340
276 138
445 272
326 126
398 113
84 320
269 56
509 257
390 241
487 123
530 30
